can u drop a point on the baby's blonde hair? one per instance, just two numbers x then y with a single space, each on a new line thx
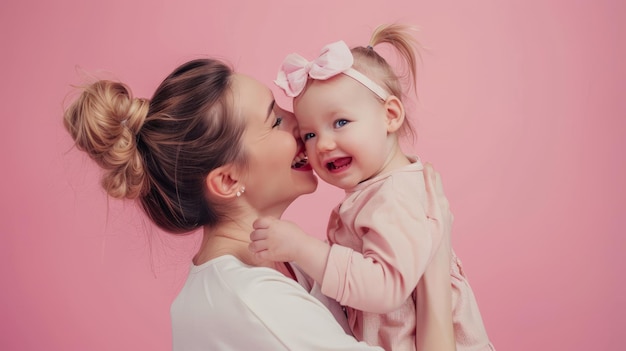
373 65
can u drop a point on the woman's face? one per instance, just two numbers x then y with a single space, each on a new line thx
275 177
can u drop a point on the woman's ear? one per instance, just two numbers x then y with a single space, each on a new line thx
223 182
394 111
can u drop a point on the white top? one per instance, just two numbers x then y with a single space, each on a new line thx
228 305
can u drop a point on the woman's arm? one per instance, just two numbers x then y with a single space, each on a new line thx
434 294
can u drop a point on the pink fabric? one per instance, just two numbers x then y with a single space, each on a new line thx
380 251
334 59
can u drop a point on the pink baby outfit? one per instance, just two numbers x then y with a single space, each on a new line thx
381 246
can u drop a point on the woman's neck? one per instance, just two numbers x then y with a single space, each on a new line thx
225 239
232 239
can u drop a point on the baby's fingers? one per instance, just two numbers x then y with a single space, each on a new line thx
257 246
258 234
263 222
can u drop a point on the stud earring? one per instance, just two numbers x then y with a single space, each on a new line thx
241 191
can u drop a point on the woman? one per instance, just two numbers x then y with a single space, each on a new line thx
211 149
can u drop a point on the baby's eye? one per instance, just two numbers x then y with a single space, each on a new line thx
340 123
307 136
278 121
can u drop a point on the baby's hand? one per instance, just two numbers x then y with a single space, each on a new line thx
276 240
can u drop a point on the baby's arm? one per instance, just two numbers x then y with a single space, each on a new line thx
397 244
283 241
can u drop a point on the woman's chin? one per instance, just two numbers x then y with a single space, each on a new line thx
312 184
305 179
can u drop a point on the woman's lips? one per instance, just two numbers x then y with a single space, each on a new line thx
301 161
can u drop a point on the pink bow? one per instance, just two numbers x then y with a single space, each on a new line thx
334 59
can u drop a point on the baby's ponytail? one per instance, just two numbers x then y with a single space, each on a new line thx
104 122
400 37
373 65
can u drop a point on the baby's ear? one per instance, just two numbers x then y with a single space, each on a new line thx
394 110
223 182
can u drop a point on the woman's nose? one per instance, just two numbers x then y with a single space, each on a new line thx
290 123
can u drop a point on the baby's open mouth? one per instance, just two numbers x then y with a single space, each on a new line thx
300 160
339 163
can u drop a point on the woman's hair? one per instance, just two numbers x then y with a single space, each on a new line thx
373 65
160 151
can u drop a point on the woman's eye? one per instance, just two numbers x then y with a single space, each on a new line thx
308 136
340 123
278 121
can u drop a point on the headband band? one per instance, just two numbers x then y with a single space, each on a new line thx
334 59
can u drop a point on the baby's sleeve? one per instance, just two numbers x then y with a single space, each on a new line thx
396 248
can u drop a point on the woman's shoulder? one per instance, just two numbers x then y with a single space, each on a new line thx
239 277
225 283
225 296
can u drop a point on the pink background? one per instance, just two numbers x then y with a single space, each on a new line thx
521 109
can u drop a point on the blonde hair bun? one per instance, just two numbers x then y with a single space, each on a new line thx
104 122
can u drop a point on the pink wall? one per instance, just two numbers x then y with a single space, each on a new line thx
521 110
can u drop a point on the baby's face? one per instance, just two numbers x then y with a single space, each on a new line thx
343 125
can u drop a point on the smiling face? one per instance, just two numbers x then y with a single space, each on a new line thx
345 130
274 177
